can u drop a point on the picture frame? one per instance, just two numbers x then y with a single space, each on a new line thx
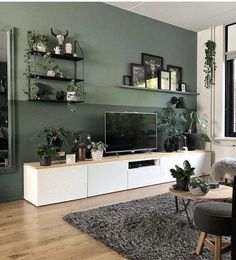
176 77
138 78
183 87
127 80
152 64
164 82
152 83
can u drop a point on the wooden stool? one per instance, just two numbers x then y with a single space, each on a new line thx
213 218
217 245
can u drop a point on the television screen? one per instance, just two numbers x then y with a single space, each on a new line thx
130 131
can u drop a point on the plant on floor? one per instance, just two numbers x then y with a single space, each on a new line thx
182 175
169 124
210 64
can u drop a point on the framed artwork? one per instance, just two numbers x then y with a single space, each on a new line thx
164 82
176 77
127 80
152 83
137 75
183 87
152 64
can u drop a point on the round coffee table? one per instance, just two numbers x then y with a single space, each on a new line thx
219 194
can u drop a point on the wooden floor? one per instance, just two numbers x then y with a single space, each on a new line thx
28 232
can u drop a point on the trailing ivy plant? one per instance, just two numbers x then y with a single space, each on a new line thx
33 39
210 65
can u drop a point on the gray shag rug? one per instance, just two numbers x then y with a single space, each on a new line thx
148 228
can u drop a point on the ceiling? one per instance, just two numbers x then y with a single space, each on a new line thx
194 16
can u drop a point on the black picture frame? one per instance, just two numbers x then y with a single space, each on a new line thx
138 73
127 80
164 79
176 77
152 64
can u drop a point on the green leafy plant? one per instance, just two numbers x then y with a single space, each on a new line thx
55 136
182 173
193 120
169 124
210 65
79 93
196 182
46 150
98 146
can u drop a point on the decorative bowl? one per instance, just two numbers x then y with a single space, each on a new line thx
197 191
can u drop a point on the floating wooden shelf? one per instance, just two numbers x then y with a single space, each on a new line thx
53 78
56 56
160 90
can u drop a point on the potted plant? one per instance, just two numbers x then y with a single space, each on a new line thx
210 64
74 93
55 136
195 120
182 175
198 186
169 125
45 152
97 150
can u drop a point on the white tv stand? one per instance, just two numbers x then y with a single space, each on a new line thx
64 182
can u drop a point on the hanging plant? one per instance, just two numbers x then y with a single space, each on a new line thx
210 65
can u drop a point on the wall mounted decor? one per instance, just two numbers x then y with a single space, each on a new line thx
164 82
176 77
127 80
137 75
152 64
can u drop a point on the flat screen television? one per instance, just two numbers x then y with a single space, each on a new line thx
130 131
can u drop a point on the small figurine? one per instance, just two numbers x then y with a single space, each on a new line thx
60 38
57 50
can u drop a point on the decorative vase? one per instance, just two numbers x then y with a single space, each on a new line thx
51 73
197 191
169 148
71 96
97 155
45 161
193 141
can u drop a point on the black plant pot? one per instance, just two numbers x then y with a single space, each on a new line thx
46 161
57 143
193 141
169 147
182 184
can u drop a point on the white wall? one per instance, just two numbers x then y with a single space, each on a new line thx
210 102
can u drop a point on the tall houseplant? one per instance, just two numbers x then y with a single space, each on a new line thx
210 64
169 125
196 122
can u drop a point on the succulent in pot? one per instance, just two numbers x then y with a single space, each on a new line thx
198 186
97 150
182 175
46 152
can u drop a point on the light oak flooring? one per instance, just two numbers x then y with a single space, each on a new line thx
28 232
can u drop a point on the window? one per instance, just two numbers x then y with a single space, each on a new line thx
230 81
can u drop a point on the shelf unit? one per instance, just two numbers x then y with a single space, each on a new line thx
66 57
160 90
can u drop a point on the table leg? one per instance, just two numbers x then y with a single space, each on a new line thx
186 212
176 204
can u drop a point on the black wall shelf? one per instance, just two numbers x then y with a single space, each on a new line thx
38 76
54 100
160 90
57 56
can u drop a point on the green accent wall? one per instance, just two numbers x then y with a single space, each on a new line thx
111 39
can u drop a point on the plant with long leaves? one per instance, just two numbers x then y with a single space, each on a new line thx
210 64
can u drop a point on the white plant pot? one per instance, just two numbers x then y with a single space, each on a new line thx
196 191
97 155
41 47
71 96
51 73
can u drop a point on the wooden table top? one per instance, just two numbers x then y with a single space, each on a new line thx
221 193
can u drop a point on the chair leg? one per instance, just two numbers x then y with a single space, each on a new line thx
217 253
200 243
